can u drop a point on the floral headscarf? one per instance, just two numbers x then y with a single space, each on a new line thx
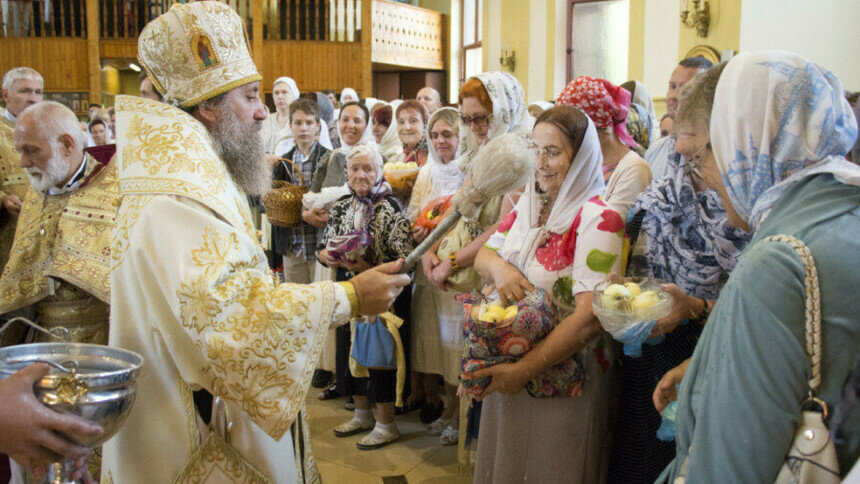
509 114
778 118
605 103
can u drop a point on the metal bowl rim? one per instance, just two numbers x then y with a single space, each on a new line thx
135 367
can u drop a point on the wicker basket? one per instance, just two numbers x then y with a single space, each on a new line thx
283 203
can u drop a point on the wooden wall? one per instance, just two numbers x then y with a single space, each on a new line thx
314 65
62 61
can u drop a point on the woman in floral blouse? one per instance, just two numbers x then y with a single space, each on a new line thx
562 238
369 228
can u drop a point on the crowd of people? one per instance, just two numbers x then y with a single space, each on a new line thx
751 161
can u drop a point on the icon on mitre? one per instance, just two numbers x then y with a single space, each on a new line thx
203 52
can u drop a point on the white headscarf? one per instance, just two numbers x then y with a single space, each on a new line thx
366 137
348 95
294 89
778 118
584 180
446 178
509 114
642 97
390 145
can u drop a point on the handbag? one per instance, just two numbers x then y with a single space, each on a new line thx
812 456
373 344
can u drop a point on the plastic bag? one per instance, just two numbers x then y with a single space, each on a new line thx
666 431
431 214
624 321
349 248
324 198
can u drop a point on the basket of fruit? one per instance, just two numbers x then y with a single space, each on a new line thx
399 174
431 214
622 307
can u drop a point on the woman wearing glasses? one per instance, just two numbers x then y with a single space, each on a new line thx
491 104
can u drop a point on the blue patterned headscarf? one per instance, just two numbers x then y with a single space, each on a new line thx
777 118
688 240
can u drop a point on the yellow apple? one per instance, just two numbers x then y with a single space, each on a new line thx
634 288
645 301
616 296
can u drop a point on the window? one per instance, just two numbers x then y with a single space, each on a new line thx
471 54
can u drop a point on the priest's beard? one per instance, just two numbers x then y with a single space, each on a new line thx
241 148
54 173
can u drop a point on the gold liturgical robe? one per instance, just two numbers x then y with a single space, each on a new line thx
13 181
192 293
60 260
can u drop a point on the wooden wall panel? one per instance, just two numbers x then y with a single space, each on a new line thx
315 65
118 49
61 61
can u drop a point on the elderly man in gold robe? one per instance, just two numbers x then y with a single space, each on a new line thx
190 287
59 262
22 87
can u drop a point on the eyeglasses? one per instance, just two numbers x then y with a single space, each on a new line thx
546 152
480 121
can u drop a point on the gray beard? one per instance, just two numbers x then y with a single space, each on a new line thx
241 148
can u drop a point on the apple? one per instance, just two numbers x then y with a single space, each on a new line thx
645 301
634 288
616 297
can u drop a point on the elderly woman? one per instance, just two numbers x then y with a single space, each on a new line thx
491 104
436 311
354 129
679 234
773 149
625 172
372 213
562 238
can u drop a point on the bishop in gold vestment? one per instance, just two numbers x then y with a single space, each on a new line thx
191 288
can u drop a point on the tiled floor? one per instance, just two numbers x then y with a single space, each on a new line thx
417 457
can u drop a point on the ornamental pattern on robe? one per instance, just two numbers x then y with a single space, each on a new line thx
65 236
193 294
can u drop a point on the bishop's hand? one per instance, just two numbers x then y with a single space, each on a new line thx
378 287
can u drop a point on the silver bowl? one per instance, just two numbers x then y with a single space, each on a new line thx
104 382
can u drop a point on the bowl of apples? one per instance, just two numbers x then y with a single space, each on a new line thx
399 174
623 304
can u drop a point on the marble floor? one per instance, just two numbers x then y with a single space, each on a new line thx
415 458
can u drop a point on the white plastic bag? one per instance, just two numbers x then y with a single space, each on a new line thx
617 322
324 198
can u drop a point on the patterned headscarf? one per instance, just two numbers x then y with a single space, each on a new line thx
688 239
778 118
509 114
605 103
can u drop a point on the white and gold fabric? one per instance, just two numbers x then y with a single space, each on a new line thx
13 181
192 293
60 259
196 51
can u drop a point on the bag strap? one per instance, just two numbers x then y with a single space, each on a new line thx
813 306
296 169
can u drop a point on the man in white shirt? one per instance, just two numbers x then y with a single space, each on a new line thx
430 98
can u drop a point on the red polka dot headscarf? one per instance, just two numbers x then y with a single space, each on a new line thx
605 103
